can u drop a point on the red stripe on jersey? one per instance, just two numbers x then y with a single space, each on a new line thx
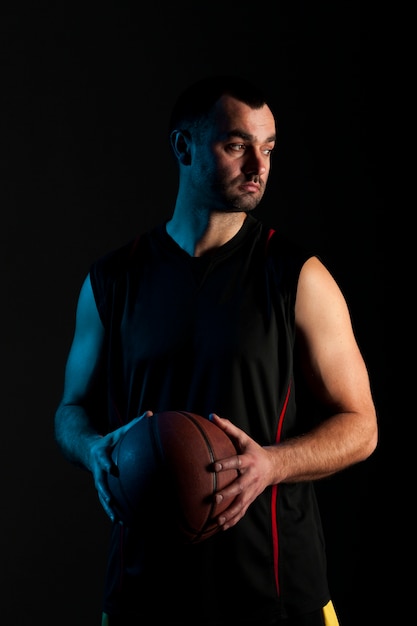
275 542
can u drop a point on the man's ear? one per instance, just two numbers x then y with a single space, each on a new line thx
180 142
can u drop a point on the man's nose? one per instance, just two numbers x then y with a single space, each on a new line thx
255 164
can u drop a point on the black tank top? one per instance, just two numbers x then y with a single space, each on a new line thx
211 334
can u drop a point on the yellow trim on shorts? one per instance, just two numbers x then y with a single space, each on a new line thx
329 615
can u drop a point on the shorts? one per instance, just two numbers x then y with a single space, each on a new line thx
323 617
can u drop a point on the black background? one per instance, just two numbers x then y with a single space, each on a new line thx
85 164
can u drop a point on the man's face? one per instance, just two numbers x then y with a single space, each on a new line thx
230 162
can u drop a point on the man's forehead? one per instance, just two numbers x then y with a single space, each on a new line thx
234 118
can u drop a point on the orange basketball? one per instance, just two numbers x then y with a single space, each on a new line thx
167 458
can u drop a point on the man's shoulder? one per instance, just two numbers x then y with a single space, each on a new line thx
127 255
284 258
281 245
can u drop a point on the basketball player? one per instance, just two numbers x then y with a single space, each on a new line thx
212 312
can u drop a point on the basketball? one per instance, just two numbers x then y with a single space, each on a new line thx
163 467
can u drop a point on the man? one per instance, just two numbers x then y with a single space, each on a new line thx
214 313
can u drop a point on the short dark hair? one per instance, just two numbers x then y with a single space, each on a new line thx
197 100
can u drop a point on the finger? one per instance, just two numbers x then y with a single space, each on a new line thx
220 421
230 463
231 493
130 424
105 500
235 433
231 516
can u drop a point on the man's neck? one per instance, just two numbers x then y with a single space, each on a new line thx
199 236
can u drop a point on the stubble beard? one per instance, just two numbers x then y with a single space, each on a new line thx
242 202
231 200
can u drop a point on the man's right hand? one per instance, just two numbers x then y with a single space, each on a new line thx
101 464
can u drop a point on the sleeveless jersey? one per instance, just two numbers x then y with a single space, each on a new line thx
211 334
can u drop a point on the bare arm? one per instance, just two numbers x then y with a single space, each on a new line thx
336 373
75 432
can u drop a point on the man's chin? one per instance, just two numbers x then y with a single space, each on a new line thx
242 205
234 209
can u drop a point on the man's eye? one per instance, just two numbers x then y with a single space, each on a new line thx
237 146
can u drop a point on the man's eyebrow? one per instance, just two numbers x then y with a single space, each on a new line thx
240 133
